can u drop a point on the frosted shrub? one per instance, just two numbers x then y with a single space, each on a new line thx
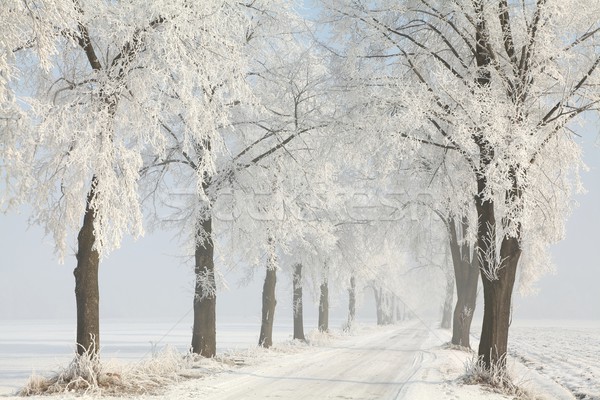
495 377
86 374
81 375
149 376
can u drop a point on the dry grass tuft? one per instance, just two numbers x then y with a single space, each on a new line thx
87 375
495 378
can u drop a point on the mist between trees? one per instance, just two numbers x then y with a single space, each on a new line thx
352 143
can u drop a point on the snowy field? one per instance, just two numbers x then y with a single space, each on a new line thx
407 361
567 352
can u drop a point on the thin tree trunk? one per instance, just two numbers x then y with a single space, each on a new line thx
400 310
351 302
466 273
387 307
324 308
268 300
204 336
447 308
393 306
385 303
87 295
378 307
297 303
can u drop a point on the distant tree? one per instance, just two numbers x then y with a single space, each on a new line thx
297 303
265 339
446 322
351 303
323 321
294 89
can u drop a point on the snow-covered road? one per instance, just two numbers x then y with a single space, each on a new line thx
404 361
376 366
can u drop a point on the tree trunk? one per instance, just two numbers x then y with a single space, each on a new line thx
466 274
378 307
351 302
447 308
388 303
324 308
384 302
204 336
498 269
268 300
297 303
498 272
87 294
497 295
466 285
401 311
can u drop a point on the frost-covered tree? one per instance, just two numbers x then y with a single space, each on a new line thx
294 89
28 41
493 86
101 108
275 110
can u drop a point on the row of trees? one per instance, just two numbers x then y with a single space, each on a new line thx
479 99
336 145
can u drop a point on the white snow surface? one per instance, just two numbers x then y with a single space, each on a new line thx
569 354
404 361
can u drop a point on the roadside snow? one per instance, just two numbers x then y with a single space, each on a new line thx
405 361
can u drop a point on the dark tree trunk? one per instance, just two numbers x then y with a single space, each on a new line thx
268 300
204 336
351 302
297 303
324 308
87 294
497 294
498 269
498 272
466 285
466 274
